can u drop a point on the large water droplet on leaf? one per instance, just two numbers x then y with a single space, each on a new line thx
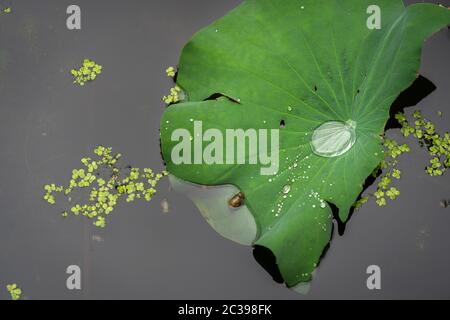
333 138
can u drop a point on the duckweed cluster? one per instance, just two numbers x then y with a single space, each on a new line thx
7 10
389 168
390 171
87 72
170 71
437 145
176 94
14 291
425 132
104 193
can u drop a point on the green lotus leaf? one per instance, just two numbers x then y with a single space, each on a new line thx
315 71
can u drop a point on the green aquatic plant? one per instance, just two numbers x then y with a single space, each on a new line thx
424 131
174 96
389 169
14 291
7 10
106 181
301 67
87 72
438 145
171 72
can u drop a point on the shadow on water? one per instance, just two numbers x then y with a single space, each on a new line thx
418 91
335 210
268 261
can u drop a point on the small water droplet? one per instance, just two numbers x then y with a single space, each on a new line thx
289 108
286 189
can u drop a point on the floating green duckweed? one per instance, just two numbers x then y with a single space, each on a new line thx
392 193
390 171
358 204
174 96
170 71
107 181
87 72
425 132
7 10
438 146
389 168
14 291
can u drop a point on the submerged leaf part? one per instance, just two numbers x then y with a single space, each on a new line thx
234 223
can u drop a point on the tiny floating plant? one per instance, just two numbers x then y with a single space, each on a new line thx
424 131
107 181
14 291
176 93
87 72
438 146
